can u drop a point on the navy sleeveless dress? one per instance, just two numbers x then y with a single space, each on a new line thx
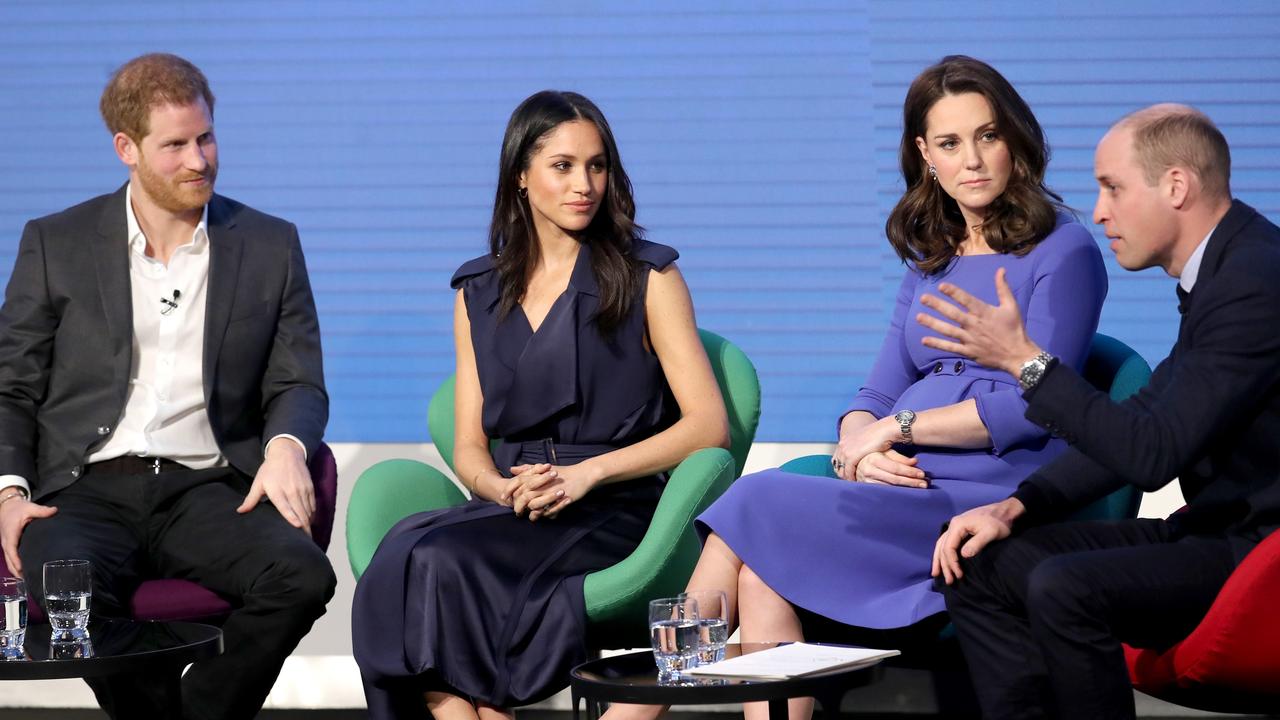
472 599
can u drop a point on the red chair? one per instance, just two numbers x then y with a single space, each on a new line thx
1231 661
184 600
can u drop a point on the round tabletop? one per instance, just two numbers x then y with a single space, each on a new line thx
633 678
112 647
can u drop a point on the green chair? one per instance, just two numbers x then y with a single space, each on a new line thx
617 596
1111 366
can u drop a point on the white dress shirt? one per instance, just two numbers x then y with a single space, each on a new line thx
1191 271
164 413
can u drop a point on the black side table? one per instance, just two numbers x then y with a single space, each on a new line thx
633 678
158 650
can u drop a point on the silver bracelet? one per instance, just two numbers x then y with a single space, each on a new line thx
17 493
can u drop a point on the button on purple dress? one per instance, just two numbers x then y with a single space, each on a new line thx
861 553
472 599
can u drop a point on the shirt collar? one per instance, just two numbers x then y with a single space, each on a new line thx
138 240
1190 271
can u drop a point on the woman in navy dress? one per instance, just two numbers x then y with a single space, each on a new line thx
577 348
928 434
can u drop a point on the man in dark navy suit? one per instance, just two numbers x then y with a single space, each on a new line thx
1041 609
160 375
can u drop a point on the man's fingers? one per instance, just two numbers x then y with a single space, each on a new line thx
252 499
961 297
1003 291
945 346
945 309
940 326
286 507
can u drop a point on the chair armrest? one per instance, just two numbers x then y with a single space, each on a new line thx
387 493
664 559
816 465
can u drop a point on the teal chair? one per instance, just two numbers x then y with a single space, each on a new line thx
1111 366
617 596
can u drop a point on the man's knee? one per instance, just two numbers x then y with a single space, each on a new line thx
1055 587
302 575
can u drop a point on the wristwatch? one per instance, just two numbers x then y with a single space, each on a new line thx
1034 369
905 419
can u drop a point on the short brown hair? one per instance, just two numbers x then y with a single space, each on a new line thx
1169 135
145 82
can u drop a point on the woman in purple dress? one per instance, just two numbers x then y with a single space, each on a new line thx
929 434
467 611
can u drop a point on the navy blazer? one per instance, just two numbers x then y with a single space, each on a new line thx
66 339
1210 415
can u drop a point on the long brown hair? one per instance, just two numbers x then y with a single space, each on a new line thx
612 232
926 227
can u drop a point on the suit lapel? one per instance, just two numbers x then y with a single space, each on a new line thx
225 251
111 259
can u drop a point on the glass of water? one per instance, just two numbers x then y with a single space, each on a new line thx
67 590
13 624
713 623
673 628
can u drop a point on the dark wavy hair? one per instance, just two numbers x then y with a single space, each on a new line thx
612 232
926 227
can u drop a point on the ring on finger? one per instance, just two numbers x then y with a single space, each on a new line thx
837 464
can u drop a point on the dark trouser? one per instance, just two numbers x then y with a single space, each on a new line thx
1041 615
183 524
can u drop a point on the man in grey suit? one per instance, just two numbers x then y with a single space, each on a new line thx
160 376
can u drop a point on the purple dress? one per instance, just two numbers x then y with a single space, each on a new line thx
859 553
473 599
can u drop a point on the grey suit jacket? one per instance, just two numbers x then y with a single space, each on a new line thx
66 347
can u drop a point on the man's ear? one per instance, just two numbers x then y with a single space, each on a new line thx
126 149
1176 186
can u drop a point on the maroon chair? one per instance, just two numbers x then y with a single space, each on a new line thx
172 599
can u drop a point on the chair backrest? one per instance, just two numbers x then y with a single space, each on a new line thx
1121 371
739 385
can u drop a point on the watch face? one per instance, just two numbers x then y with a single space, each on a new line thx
1031 374
906 416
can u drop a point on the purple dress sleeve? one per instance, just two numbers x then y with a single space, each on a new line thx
1061 317
894 371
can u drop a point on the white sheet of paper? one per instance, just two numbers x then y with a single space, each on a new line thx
791 660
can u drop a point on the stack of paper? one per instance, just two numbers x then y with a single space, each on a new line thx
791 660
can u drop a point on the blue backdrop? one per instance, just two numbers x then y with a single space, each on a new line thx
761 137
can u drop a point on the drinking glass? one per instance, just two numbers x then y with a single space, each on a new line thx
72 649
673 628
713 623
67 591
13 623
